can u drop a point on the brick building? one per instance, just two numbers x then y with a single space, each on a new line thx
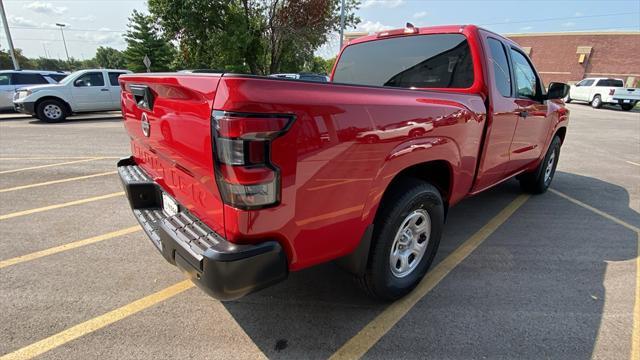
570 56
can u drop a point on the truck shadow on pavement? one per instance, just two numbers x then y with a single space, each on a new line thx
536 288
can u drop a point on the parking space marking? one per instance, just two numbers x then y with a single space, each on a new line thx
599 212
97 323
69 246
58 206
358 345
50 165
632 163
635 332
22 187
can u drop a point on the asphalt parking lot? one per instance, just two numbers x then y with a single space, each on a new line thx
550 276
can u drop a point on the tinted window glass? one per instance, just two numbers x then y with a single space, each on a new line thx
113 78
424 61
610 83
5 79
57 77
500 67
90 79
587 82
28 79
526 82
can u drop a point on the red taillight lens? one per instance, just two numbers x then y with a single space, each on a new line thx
244 173
611 91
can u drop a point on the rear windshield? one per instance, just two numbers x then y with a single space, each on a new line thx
610 83
423 61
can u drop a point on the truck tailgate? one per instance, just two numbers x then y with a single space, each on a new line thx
168 118
632 94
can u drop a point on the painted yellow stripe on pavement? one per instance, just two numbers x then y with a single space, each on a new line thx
66 247
599 212
49 165
89 326
633 163
358 345
58 206
22 187
635 333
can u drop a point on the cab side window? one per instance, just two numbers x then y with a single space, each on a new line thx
90 79
526 80
500 67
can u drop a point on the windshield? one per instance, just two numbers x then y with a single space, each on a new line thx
424 61
68 79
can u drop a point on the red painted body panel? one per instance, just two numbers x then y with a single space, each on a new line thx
345 146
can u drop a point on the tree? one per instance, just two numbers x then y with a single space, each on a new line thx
257 36
144 38
319 65
109 58
7 63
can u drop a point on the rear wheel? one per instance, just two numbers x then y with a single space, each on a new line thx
539 180
627 107
596 103
51 111
406 237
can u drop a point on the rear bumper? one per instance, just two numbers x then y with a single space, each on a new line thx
25 107
223 269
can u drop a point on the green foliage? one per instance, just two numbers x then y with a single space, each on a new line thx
144 38
109 58
6 63
319 65
256 36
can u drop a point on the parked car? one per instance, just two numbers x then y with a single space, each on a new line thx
82 91
303 76
10 80
239 180
394 130
599 91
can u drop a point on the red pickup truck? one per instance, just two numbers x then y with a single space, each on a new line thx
240 179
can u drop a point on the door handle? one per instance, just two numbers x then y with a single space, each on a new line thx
104 89
523 113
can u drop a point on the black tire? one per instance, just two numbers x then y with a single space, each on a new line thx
627 107
596 103
410 196
537 182
51 111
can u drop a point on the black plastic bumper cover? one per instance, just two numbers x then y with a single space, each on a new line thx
223 269
25 107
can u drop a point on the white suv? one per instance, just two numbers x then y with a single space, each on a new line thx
82 91
10 80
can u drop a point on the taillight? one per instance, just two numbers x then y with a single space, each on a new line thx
242 148
611 91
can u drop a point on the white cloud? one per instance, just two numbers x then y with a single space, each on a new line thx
45 8
370 26
382 3
420 15
526 28
101 38
82 18
20 21
569 24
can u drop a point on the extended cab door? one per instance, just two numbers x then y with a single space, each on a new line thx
534 120
91 93
114 89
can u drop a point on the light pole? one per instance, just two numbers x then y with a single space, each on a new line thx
61 26
341 24
16 65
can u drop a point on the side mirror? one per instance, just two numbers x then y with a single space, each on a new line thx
79 83
557 91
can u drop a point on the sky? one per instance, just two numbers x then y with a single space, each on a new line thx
93 23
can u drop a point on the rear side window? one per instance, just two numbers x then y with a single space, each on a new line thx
500 67
90 79
422 61
113 78
610 83
526 81
28 79
5 79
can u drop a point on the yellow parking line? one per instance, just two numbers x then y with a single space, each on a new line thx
599 212
58 206
97 323
50 165
632 163
69 246
22 187
635 332
358 345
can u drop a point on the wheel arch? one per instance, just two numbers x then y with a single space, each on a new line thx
52 97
